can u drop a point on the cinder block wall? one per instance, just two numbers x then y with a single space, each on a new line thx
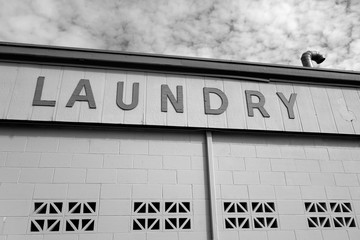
290 172
130 177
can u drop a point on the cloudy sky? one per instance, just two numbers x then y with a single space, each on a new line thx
268 31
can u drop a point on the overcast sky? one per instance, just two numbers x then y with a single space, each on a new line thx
268 31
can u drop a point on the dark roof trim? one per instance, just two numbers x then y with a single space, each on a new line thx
63 56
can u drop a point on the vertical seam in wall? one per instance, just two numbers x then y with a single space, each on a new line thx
212 187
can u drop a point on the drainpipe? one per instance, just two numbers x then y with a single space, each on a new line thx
309 56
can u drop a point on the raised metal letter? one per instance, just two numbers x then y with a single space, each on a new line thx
259 105
38 92
288 104
222 96
120 95
88 97
167 94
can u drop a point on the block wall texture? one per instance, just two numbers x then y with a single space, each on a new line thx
68 171
292 174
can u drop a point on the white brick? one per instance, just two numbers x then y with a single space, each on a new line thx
307 165
36 175
283 165
130 236
197 162
50 191
242 150
132 176
292 152
234 192
64 175
16 191
74 145
147 191
200 207
175 148
313 192
12 143
42 144
118 161
292 222
103 236
15 225
115 207
270 151
134 147
191 177
55 160
177 162
230 235
194 235
256 164
113 224
253 235
3 156
287 192
162 176
354 192
246 178
337 192
84 191
13 208
221 149
231 163
335 235
101 176
340 154
261 192
9 174
308 235
147 162
292 207
104 146
331 166
272 178
324 179
116 191
87 161
60 237
22 159
277 235
352 166
177 192
224 177
346 179
162 235
316 153
353 234
293 178
200 191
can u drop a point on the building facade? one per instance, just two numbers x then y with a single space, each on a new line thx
110 145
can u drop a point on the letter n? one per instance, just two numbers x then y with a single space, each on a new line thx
178 102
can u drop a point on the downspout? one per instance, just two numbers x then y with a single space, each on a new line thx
309 56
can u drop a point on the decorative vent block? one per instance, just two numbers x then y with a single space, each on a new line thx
147 207
236 207
83 208
319 222
177 223
239 222
263 207
315 207
177 207
45 225
265 222
48 208
146 224
80 225
344 222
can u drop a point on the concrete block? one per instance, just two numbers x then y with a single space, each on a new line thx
200 191
353 234
346 179
22 159
292 152
308 235
313 192
354 192
231 163
162 176
331 166
115 191
50 191
352 166
292 222
60 236
323 179
229 235
97 236
257 164
197 162
177 162
290 207
272 178
281 235
9 175
3 157
115 207
132 176
221 149
147 162
234 192
191 177
118 161
340 154
12 144
15 208
147 191
61 160
42 144
246 178
200 207
104 146
335 235
283 165
134 147
16 191
175 148
113 224
101 176
224 177
87 161
261 192
295 178
337 192
83 191
66 175
238 150
270 151
316 153
24 237
287 192
15 225
130 236
307 165
36 175
194 235
253 235
162 235
74 145
177 192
